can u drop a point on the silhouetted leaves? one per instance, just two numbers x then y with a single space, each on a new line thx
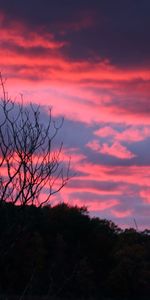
61 252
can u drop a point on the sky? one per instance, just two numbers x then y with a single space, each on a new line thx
90 61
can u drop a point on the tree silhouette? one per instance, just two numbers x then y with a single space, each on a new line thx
60 252
29 159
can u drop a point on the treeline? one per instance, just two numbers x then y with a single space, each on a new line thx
61 252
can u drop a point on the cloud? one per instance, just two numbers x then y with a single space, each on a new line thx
145 195
95 205
93 67
97 85
124 43
131 134
116 149
121 214
106 131
94 145
95 187
130 175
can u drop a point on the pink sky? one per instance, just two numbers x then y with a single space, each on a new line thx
105 102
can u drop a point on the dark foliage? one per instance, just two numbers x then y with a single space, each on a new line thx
61 252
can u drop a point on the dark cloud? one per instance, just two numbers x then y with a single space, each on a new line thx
131 105
90 197
36 51
97 185
120 29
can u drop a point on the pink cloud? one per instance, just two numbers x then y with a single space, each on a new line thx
145 195
121 214
71 188
105 132
134 134
87 91
136 175
62 80
131 134
94 145
74 154
96 205
116 149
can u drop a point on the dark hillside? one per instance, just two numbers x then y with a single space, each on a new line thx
61 252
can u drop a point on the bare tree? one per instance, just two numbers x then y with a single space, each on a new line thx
30 164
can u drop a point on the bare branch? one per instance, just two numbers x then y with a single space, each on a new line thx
28 159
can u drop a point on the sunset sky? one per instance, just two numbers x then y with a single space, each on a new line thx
90 61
